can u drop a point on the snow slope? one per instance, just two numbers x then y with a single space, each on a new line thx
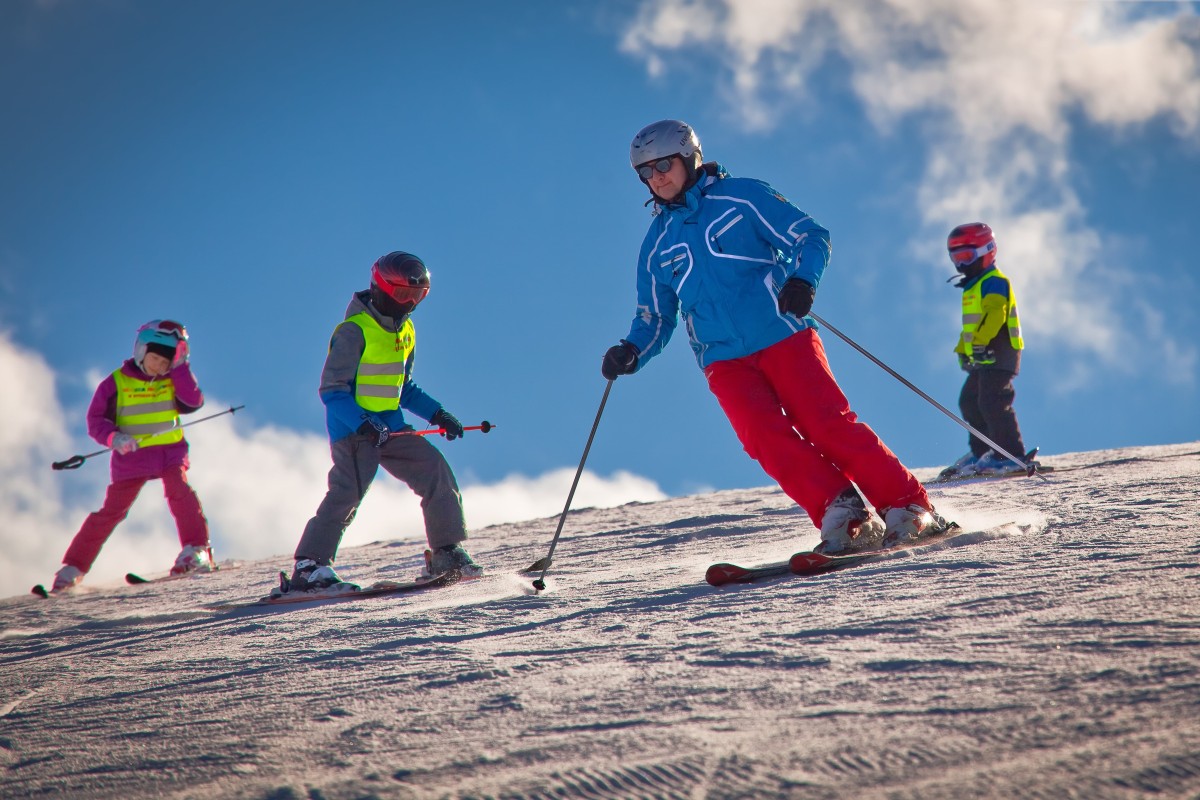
1057 660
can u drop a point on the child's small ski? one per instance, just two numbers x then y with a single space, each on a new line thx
949 475
133 579
344 591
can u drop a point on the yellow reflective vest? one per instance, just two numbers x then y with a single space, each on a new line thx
381 366
146 410
998 311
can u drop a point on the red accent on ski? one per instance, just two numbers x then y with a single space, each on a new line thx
806 563
721 574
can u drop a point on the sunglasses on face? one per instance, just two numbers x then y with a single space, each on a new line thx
663 165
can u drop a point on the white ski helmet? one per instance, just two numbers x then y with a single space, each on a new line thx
161 336
667 137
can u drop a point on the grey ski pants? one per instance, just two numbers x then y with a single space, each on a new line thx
412 460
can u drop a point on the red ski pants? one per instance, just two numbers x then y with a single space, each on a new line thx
793 419
99 525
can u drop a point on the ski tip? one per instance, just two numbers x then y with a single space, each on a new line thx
134 579
40 591
721 574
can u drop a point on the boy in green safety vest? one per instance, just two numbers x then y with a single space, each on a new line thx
989 351
366 386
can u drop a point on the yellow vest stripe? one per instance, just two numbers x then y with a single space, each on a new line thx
381 369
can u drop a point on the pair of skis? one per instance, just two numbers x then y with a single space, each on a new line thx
951 475
807 562
132 578
338 592
347 591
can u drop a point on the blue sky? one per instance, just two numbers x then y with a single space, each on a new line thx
238 166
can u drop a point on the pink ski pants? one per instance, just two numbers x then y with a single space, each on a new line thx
99 525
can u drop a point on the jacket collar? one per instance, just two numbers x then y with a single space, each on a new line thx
689 202
361 303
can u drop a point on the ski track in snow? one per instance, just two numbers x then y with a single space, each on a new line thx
1056 657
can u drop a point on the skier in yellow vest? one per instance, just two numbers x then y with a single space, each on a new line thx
989 351
366 386
135 411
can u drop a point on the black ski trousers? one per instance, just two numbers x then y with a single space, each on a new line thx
986 402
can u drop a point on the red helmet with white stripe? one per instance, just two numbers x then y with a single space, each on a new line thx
970 243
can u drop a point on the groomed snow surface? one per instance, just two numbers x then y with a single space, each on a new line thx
1060 659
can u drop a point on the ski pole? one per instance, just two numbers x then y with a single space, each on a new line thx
75 462
1029 469
543 564
485 427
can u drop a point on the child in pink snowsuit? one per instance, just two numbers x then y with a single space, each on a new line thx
135 411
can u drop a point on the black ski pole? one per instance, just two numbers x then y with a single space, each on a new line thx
543 564
1029 468
75 462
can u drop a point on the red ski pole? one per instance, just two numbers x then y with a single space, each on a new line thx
485 426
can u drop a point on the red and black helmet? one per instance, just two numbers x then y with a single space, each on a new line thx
399 281
971 242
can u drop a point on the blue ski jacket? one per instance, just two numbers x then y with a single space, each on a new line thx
720 257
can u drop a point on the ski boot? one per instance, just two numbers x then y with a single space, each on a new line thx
848 525
908 524
452 558
193 559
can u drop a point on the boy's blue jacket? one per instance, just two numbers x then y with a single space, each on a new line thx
343 414
720 258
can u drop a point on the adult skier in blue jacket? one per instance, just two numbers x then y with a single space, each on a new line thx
742 265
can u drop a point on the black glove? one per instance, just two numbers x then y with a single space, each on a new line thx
621 359
982 355
796 297
964 362
447 422
374 428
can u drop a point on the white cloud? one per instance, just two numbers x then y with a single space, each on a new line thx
258 485
996 88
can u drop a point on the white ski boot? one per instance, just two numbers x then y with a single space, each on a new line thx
66 577
848 525
905 525
193 559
